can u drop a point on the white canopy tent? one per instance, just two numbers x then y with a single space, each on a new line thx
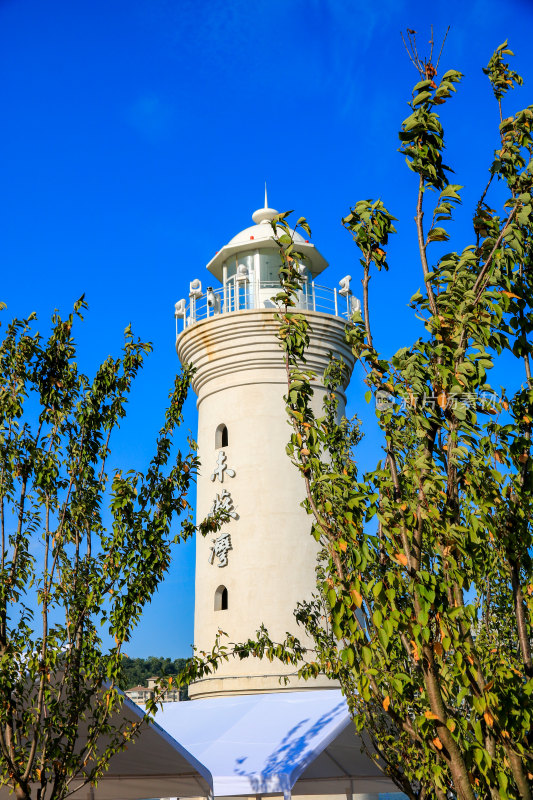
284 743
300 743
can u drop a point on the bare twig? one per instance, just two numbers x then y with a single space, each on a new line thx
442 47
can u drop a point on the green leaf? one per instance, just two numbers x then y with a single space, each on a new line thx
422 85
423 97
452 75
451 191
437 235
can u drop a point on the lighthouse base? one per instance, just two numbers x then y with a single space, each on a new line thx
256 684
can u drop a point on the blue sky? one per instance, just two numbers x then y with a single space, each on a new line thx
136 138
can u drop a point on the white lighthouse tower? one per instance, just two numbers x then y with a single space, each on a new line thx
262 562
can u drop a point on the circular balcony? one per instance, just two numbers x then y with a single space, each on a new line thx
245 295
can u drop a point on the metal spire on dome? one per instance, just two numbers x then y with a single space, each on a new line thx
265 214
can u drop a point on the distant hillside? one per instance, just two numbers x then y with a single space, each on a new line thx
136 670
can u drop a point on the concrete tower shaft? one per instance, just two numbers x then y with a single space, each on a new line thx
240 382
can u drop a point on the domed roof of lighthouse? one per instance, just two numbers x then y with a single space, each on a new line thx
260 237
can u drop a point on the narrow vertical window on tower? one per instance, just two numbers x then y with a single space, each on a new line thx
221 436
221 599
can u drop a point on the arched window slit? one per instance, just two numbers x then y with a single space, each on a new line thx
221 436
221 599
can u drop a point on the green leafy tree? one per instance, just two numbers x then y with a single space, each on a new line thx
136 671
79 549
426 561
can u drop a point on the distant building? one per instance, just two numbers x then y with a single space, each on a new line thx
141 694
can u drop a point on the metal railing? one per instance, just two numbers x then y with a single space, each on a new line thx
239 295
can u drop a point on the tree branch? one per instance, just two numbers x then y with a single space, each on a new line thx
422 247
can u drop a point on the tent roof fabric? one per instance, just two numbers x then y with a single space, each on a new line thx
264 743
153 762
155 765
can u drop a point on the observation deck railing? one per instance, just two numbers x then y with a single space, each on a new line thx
239 295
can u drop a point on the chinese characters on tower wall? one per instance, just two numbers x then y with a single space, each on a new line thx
221 545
